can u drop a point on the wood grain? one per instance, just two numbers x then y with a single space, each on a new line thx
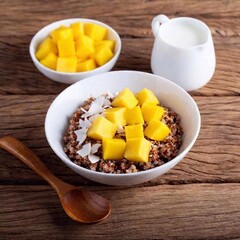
134 30
214 158
193 211
197 199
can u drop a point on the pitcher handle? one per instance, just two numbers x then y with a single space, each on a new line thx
157 22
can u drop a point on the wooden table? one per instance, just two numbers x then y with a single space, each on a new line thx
198 199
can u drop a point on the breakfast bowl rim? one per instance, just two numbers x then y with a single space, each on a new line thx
178 158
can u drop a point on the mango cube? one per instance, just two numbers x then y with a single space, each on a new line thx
150 112
94 31
113 148
137 150
102 55
125 98
116 115
157 130
61 33
101 128
77 29
86 65
66 64
146 96
45 48
134 115
105 43
50 61
84 47
134 131
66 47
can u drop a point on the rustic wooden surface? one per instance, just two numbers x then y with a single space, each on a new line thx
198 199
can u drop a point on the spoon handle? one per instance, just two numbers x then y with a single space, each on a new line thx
23 153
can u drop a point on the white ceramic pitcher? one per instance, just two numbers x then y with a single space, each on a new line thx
183 51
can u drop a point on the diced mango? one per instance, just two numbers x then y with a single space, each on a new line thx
116 115
61 33
134 115
86 65
66 47
134 131
146 96
125 98
150 112
45 48
137 150
113 148
66 64
102 55
101 128
96 32
77 29
50 61
84 47
156 130
106 43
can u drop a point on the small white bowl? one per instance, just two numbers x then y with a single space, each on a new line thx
70 78
169 94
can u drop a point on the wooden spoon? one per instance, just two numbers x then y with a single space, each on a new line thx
79 204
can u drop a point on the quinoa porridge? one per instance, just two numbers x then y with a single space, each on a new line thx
88 152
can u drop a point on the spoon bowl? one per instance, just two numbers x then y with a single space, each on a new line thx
79 204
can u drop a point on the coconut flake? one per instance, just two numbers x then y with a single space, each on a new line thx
110 95
81 139
81 135
86 149
93 158
99 100
93 117
106 103
84 123
80 130
83 110
95 148
95 107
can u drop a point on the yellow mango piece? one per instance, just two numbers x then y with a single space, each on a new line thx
101 128
77 30
146 96
45 47
61 33
84 47
86 65
102 55
66 64
50 61
151 112
113 148
116 115
94 31
105 43
156 130
137 150
134 115
134 131
66 47
125 98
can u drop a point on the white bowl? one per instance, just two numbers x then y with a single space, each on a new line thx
169 94
70 78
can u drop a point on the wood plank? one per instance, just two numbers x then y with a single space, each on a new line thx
214 157
109 12
24 78
195 211
134 29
